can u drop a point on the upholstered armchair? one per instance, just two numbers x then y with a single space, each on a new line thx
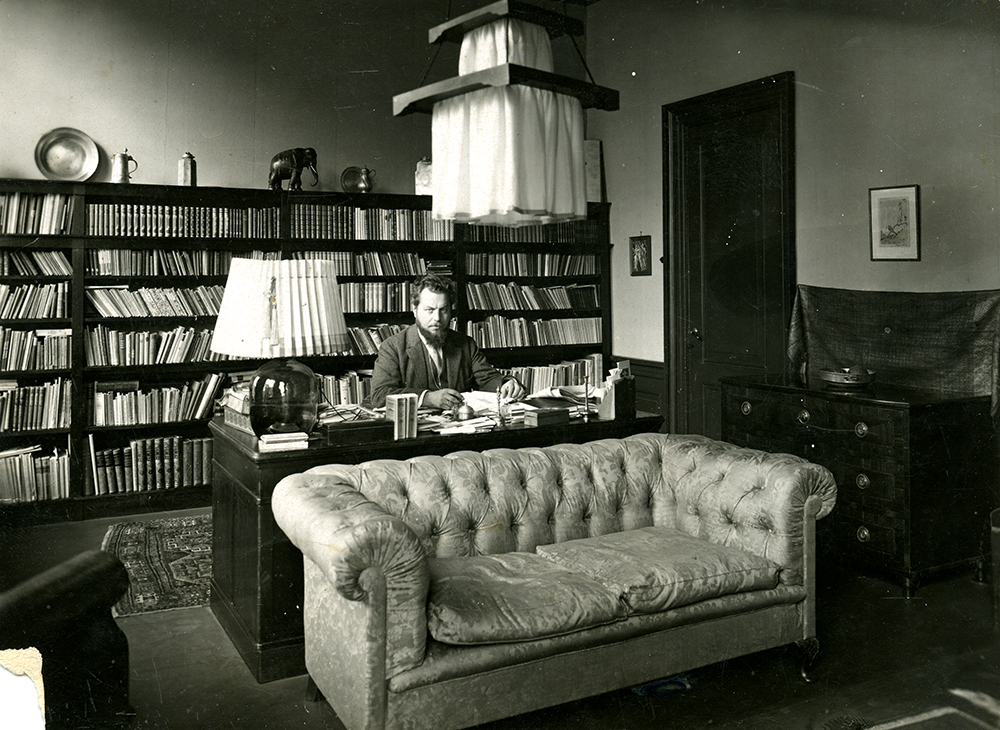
65 612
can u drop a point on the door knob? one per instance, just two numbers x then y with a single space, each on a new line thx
695 333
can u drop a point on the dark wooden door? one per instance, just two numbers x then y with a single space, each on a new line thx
729 160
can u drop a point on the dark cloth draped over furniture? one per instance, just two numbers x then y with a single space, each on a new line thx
940 341
65 613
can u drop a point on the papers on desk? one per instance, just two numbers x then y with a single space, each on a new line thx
484 403
344 413
575 394
471 425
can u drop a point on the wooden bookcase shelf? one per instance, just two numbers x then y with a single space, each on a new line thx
377 236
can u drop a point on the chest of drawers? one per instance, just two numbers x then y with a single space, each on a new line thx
915 471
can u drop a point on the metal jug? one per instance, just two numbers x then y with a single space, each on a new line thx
365 176
120 172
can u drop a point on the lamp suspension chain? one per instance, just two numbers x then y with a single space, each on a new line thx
578 52
436 51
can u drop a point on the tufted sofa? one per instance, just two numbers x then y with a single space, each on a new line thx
446 592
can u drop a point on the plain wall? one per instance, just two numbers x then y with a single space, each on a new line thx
888 92
233 82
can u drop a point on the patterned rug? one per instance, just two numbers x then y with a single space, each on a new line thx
169 562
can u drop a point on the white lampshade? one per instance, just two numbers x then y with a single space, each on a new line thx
508 155
283 308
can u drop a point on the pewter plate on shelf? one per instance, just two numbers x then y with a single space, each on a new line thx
845 379
66 154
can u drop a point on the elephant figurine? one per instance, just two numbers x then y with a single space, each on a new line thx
289 165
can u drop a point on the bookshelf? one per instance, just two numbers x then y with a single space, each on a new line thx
108 297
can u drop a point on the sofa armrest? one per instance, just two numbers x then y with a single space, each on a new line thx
354 541
754 500
58 601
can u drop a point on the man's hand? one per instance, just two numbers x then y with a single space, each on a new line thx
446 399
511 389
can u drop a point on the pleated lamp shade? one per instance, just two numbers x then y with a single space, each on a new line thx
281 309
508 155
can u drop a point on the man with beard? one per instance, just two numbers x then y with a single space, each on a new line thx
432 360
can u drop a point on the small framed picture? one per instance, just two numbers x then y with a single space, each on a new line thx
895 223
640 250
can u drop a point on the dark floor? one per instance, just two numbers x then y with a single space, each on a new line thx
884 656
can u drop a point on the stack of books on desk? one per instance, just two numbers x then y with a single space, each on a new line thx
291 441
401 411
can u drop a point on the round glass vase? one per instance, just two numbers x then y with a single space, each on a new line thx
283 397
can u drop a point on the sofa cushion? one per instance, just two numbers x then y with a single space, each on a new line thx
656 568
513 597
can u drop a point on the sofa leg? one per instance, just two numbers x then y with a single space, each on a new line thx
808 653
313 693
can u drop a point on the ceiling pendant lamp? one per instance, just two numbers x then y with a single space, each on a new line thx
507 132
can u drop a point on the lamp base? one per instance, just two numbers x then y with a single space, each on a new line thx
283 397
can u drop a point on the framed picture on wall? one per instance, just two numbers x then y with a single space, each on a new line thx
895 223
640 250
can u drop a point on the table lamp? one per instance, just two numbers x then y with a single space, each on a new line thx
281 309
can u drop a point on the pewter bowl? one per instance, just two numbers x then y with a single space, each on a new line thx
843 378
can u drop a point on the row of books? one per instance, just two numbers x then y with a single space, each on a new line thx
151 464
26 475
120 301
34 301
369 263
376 296
511 263
105 346
569 372
350 388
366 340
491 295
499 331
45 214
44 349
34 407
180 221
124 403
577 231
341 222
29 262
157 262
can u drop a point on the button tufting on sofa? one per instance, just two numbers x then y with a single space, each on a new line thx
678 485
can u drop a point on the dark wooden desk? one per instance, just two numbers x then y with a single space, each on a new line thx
257 573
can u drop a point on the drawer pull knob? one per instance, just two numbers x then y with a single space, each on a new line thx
863 534
803 416
861 429
746 407
862 481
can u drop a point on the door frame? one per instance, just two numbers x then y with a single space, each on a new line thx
776 90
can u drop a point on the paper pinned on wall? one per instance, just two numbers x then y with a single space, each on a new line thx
593 170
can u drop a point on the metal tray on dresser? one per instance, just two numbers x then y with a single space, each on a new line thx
915 470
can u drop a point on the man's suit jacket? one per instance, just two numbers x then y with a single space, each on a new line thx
403 366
